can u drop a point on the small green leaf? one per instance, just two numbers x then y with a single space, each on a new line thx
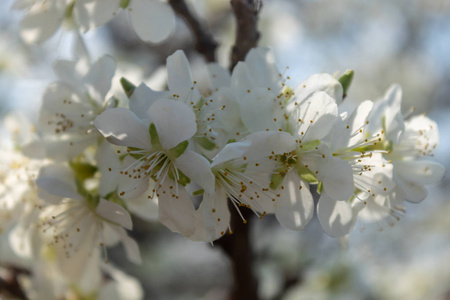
198 192
205 143
320 187
154 136
346 80
127 86
179 149
306 174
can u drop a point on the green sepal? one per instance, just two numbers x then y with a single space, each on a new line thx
276 180
154 136
114 198
320 188
135 155
306 174
179 149
198 192
68 13
205 143
310 145
91 199
183 179
346 80
127 86
83 171
124 3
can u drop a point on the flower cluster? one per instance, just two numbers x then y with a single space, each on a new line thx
185 156
152 20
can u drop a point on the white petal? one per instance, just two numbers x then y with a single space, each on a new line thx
319 82
218 76
58 180
174 122
114 213
317 115
99 78
197 168
180 80
259 112
176 213
296 205
41 23
108 164
241 81
231 151
265 143
144 207
152 20
131 247
410 191
338 178
91 14
419 171
261 64
130 187
356 121
335 217
216 215
141 100
121 127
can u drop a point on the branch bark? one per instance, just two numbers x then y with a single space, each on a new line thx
247 35
205 43
238 248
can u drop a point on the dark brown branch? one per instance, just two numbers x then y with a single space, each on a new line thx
238 248
9 284
205 43
247 35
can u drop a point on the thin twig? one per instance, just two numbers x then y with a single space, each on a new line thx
247 35
205 43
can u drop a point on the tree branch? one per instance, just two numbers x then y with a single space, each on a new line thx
247 35
205 43
238 248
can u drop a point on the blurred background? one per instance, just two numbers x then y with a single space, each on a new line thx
385 42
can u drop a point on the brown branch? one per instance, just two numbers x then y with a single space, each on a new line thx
238 248
9 284
247 35
205 43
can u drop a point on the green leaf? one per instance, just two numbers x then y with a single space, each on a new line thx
127 86
154 136
179 149
306 174
205 143
346 80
